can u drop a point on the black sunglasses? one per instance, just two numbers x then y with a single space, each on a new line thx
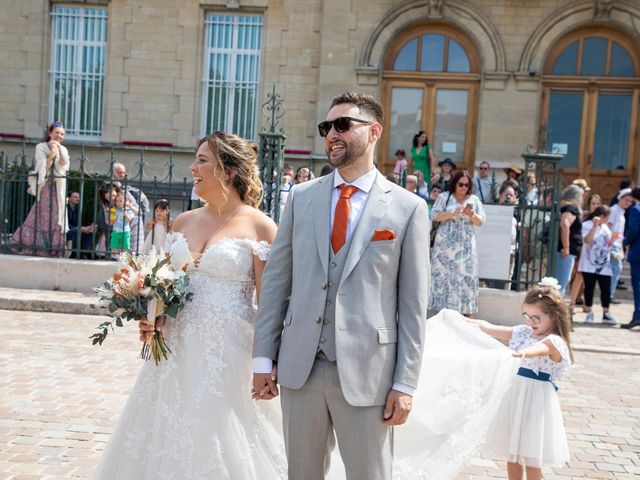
463 184
340 124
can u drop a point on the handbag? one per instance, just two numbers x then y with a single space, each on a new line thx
435 225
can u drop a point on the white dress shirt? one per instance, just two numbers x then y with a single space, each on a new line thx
357 203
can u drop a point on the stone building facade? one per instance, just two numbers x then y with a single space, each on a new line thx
483 78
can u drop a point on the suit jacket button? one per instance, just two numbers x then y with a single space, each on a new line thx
324 286
318 319
330 284
333 264
322 339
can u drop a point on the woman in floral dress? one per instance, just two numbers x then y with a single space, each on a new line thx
454 257
43 232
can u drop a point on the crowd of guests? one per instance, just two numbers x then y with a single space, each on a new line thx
594 240
54 227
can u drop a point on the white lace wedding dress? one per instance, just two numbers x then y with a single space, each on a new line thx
191 417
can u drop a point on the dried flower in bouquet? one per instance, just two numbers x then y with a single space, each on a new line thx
146 287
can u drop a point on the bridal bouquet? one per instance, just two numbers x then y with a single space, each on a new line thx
147 286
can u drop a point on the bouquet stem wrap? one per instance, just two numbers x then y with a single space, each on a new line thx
155 347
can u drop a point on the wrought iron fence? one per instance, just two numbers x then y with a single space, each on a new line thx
538 217
271 156
29 224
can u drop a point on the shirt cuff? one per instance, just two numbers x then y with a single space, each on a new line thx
396 386
262 365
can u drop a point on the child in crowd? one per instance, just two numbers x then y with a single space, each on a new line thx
401 162
121 234
528 431
595 261
158 227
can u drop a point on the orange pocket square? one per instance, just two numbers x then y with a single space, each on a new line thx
383 234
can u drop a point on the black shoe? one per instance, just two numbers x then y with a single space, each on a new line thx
631 324
621 282
621 287
615 301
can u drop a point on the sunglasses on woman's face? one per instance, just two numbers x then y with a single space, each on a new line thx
463 184
340 125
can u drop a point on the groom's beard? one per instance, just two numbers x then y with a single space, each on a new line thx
352 151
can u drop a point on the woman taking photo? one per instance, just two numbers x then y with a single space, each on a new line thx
454 257
43 232
422 157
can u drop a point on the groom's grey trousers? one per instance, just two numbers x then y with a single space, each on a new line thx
312 413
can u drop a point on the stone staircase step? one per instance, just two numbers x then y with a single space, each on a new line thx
55 301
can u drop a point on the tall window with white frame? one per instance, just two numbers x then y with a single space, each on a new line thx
78 54
231 74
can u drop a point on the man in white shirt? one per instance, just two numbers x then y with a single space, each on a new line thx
617 224
343 304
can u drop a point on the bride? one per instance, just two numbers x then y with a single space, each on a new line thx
191 417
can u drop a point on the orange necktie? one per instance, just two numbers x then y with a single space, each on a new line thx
341 217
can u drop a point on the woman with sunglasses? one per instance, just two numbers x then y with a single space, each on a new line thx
43 232
454 258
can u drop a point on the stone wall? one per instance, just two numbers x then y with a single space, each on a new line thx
312 50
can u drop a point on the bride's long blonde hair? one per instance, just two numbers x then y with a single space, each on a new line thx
235 153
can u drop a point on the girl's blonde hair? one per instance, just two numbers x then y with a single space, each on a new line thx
236 154
549 300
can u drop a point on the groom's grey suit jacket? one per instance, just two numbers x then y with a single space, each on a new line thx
381 302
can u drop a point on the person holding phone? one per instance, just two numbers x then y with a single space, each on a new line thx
454 258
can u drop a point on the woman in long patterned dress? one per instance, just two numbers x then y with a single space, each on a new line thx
454 257
43 232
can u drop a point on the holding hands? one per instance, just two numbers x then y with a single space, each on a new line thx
264 385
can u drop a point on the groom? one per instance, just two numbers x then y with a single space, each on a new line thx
343 304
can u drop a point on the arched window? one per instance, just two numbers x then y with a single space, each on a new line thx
430 83
594 56
432 52
591 80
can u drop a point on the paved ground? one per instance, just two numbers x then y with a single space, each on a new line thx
60 397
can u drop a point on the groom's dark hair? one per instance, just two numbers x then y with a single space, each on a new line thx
365 103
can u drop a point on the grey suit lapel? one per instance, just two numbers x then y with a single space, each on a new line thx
321 207
374 210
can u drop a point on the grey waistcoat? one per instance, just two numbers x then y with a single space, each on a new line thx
327 343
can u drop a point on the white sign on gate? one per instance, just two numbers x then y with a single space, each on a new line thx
493 240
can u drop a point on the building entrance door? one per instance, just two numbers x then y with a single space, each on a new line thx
594 128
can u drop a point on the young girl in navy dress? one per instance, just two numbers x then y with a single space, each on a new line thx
528 430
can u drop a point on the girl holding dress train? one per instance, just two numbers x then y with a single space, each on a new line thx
528 430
